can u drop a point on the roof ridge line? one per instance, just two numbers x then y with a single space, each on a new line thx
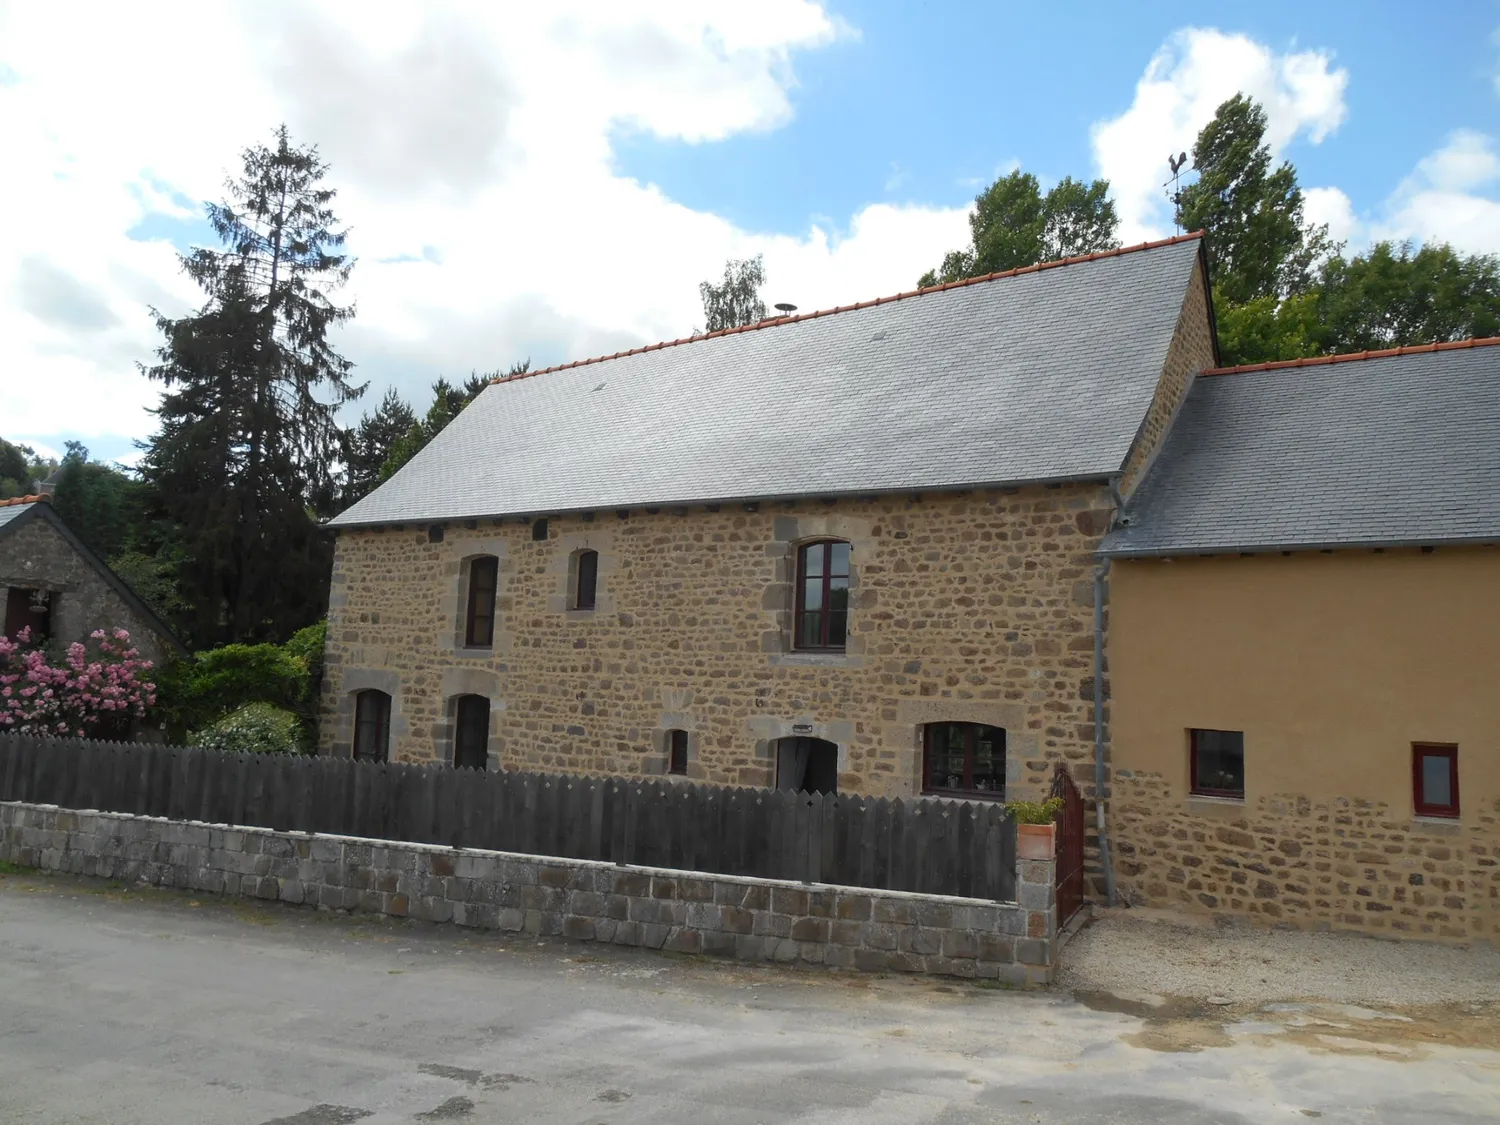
775 321
1353 357
36 498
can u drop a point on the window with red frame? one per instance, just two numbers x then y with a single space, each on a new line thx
822 596
1434 779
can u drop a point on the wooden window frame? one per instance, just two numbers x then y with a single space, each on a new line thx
479 625
382 724
586 566
1420 750
677 753
971 736
799 610
1197 790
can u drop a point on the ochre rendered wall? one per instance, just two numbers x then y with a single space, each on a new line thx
1332 665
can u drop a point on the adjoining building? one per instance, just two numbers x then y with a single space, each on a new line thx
850 551
1304 648
61 591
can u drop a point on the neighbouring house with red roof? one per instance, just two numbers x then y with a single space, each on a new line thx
906 547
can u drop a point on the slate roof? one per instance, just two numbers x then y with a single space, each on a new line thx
1041 374
1377 449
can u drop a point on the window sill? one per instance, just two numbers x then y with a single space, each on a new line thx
474 652
816 660
1204 805
1442 825
990 798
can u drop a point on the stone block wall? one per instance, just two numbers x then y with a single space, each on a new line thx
684 912
1340 863
973 606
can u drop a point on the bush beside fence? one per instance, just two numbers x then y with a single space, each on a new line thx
921 845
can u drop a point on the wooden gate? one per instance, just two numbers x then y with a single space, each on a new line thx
1069 820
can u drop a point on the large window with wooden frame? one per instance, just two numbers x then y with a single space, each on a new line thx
479 615
372 726
1434 779
471 733
585 579
822 613
964 760
1217 763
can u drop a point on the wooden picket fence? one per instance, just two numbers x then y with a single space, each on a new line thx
930 846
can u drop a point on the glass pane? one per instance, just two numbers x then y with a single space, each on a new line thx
1220 761
812 593
838 630
588 573
838 561
1437 786
945 756
812 560
809 630
988 771
678 763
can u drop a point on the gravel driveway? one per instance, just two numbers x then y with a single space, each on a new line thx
1155 952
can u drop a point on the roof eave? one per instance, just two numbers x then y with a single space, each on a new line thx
1101 477
1186 550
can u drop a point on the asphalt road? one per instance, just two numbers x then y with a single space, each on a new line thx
154 1007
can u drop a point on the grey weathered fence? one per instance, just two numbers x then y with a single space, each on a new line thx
931 846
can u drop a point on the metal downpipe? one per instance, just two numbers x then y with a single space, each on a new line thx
1105 861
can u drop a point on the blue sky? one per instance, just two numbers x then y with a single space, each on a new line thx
553 181
923 102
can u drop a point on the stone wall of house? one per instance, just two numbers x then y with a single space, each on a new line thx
684 912
967 607
1191 351
1341 863
37 556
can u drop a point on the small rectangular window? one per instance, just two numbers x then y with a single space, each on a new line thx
677 745
479 625
1434 779
1218 763
586 586
372 726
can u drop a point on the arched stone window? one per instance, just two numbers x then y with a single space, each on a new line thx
808 765
963 760
585 584
372 726
821 621
471 732
479 614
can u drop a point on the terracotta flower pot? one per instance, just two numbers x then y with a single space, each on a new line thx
1036 841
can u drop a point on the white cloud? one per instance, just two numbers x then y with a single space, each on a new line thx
1444 200
1330 206
1188 78
471 146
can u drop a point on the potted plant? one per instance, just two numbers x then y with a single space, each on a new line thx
1035 831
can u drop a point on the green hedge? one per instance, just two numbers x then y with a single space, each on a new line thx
196 692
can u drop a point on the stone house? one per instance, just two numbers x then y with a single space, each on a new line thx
1304 648
59 588
852 550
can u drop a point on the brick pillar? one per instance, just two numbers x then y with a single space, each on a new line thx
1036 892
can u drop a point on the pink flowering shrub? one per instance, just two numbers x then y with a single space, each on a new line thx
97 685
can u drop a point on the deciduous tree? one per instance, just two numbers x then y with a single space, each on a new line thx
735 301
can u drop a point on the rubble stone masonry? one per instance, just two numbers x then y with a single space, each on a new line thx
972 606
1339 863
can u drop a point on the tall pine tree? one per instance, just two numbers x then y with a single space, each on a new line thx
248 441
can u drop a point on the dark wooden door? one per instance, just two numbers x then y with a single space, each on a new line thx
1069 821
